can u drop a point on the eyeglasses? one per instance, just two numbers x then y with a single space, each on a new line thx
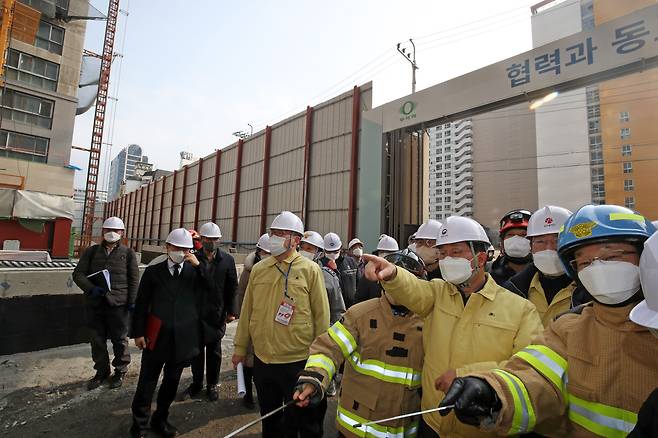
580 263
545 240
425 242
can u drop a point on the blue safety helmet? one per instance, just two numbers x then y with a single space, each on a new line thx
593 223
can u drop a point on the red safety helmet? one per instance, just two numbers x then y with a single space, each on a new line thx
514 219
196 239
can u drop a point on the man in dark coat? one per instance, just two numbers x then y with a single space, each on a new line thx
345 267
166 326
219 268
108 308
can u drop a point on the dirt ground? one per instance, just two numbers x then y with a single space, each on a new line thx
43 394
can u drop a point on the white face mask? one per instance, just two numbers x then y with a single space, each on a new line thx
307 254
611 282
111 236
548 262
332 255
357 252
277 245
517 246
455 270
427 254
413 247
177 256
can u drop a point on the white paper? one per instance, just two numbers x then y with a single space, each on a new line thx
241 387
106 274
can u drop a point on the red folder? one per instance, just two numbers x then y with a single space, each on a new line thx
153 324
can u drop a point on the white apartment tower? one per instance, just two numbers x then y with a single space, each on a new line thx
451 170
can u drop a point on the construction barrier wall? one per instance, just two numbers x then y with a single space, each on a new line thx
307 164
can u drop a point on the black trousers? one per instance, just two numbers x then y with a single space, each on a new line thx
248 379
275 385
211 354
152 366
109 322
425 431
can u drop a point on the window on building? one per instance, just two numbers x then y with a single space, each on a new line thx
598 191
628 185
439 166
439 151
50 37
596 157
448 190
448 174
593 111
439 191
28 109
447 133
626 150
62 6
32 70
439 159
23 146
448 141
625 133
594 140
448 199
624 116
448 157
628 167
447 126
448 149
439 183
592 94
594 126
439 143
629 201
438 199
439 134
597 174
448 182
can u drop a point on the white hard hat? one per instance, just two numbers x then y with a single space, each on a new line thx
332 242
461 229
646 313
180 237
263 243
654 223
387 243
353 242
288 221
547 220
113 223
210 229
314 238
428 230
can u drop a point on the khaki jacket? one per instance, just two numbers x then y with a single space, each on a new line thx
492 326
383 353
587 375
274 342
548 312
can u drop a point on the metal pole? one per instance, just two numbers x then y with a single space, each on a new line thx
411 57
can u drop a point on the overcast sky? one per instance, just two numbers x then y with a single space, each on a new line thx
194 72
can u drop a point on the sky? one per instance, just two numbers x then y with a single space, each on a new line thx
192 73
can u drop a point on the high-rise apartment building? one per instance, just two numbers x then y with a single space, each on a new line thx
450 170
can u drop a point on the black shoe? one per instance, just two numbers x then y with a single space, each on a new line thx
97 380
164 428
116 380
248 402
212 392
136 433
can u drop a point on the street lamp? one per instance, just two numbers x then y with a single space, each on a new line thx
242 134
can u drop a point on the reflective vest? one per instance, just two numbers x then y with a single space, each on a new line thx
383 356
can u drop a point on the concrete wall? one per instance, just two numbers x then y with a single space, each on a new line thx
504 164
324 198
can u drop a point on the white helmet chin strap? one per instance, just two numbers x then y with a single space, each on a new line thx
476 269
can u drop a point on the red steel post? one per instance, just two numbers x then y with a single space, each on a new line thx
236 194
354 165
266 179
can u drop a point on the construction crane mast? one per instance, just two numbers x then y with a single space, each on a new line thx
99 123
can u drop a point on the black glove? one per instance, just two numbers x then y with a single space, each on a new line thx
474 399
317 396
130 307
96 291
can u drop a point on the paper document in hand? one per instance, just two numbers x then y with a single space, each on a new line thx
106 275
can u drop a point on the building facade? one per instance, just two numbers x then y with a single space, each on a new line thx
39 99
123 166
451 170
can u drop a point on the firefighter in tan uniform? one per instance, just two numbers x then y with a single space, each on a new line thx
382 343
589 373
471 323
544 282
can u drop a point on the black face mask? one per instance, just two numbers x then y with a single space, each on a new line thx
209 246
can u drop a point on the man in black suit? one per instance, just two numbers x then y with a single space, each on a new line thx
166 325
219 268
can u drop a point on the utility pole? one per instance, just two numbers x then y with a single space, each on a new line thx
411 57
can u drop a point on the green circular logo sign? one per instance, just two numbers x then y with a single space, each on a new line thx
408 107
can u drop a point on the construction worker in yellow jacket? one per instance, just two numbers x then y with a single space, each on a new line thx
381 342
284 309
471 323
589 373
544 281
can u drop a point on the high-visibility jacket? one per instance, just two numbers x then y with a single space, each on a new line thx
478 336
383 353
274 342
587 375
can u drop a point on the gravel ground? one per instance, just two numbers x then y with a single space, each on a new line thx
43 394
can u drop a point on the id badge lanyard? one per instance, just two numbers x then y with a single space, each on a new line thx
285 281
